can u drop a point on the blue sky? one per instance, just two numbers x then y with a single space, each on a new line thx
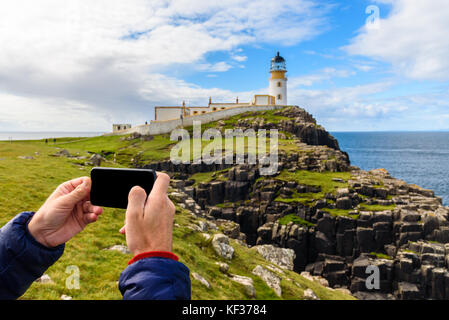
80 66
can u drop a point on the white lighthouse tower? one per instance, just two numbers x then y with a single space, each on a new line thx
278 81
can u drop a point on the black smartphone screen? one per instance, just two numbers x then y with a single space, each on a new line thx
111 186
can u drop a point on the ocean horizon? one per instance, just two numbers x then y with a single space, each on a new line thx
38 135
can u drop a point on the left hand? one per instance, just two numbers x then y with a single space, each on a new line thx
65 213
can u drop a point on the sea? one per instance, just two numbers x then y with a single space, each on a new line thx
420 158
7 136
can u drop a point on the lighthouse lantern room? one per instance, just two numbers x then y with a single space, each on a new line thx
278 81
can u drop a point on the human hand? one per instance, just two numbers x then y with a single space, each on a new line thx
65 213
149 221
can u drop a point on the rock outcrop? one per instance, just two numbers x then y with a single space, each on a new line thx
336 229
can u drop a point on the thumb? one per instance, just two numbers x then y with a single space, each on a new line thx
136 203
79 193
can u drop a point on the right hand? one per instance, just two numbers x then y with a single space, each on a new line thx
149 220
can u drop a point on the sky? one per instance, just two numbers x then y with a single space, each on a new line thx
72 65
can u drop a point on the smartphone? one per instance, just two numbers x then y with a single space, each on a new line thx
111 186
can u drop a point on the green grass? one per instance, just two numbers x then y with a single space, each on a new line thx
311 178
376 207
25 185
341 212
306 199
381 255
409 251
295 219
124 150
321 179
206 177
231 122
226 204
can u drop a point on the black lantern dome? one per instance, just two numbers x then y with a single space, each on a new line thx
278 63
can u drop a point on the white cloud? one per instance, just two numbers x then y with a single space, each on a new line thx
413 38
374 106
110 55
320 76
239 58
221 66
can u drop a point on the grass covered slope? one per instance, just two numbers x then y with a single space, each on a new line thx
26 183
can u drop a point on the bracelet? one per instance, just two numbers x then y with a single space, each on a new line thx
151 254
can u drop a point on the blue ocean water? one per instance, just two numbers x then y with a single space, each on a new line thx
421 158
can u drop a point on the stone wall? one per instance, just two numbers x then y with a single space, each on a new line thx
168 126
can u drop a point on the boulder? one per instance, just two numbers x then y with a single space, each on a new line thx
220 243
62 153
343 192
281 257
223 267
310 295
203 281
96 160
270 278
247 284
45 279
120 248
230 228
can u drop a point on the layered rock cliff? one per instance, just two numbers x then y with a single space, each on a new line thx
338 219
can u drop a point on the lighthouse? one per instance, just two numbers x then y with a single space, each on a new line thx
278 81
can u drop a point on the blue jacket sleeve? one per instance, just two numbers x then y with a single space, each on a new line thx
22 258
155 279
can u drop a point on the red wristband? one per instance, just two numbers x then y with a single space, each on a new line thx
150 254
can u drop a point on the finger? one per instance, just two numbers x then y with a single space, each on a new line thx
79 193
90 217
161 184
71 185
89 207
136 202
66 188
123 230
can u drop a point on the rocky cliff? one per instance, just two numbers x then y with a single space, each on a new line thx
338 219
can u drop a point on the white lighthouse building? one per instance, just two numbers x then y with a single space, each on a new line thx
277 96
278 81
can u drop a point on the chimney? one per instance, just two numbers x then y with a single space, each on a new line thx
210 100
237 100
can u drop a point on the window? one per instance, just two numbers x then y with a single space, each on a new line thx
279 84
118 128
214 109
203 111
279 97
222 108
195 112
